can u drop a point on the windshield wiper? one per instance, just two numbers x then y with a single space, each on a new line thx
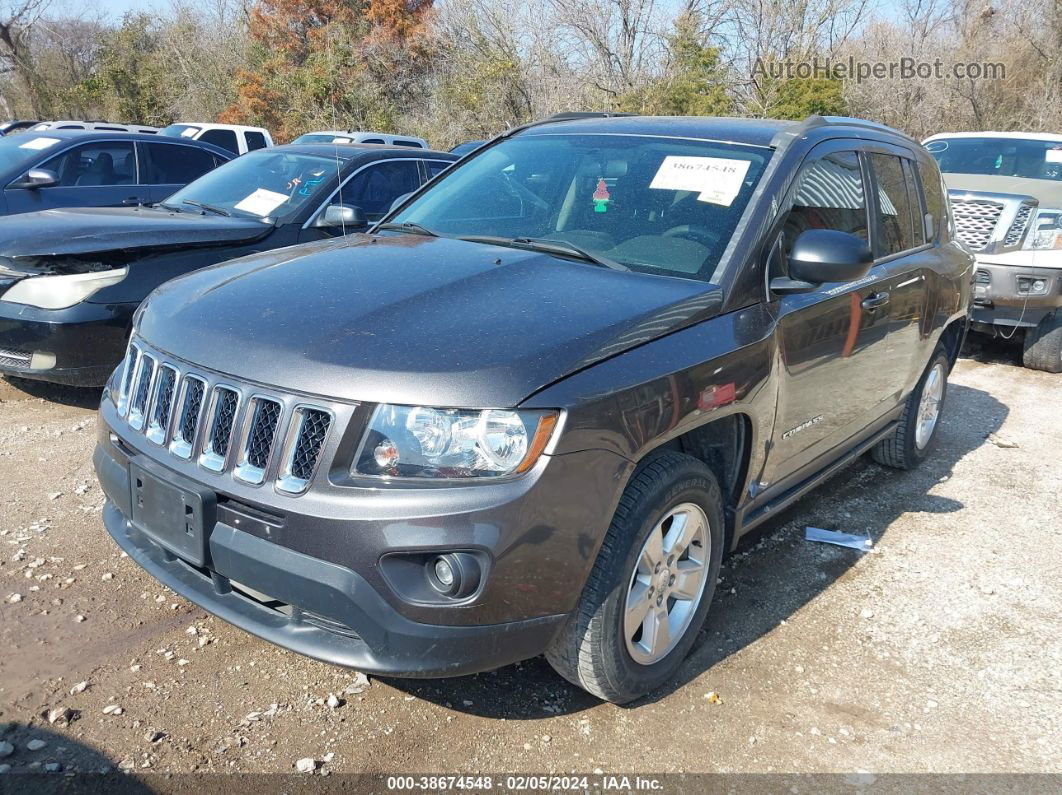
407 226
210 207
550 246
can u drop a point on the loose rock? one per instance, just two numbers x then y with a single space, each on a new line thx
306 765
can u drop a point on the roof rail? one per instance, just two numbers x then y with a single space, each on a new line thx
815 121
570 115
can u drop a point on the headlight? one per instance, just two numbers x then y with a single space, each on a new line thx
59 292
1045 233
423 442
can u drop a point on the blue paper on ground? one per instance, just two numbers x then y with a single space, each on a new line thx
851 540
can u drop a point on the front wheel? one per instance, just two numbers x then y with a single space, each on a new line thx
652 583
1043 345
916 434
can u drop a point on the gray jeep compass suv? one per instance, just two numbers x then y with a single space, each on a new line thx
531 410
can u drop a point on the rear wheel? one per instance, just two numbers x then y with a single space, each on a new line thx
916 434
1043 345
652 583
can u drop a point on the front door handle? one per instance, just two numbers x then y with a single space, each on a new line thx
132 201
875 301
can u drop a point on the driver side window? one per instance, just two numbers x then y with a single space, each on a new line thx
830 194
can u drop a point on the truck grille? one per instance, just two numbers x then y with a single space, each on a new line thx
975 220
189 414
982 277
1017 228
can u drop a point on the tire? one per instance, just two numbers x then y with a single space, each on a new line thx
1043 345
906 448
592 650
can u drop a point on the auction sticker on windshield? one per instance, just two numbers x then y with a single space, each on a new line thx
39 143
262 202
716 179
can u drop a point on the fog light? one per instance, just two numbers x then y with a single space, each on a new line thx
444 573
455 574
42 361
1039 285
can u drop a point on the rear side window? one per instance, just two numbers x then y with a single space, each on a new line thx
255 140
894 205
829 195
226 139
402 142
172 164
931 186
88 165
436 167
373 141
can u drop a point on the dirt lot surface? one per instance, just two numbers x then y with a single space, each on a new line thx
940 650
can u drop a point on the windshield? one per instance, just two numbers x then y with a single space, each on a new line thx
260 184
21 150
180 131
653 204
1000 157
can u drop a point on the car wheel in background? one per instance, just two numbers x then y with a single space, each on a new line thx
917 434
652 583
1043 345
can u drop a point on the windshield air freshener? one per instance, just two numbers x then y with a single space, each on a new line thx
601 197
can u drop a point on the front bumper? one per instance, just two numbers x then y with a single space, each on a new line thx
318 584
1001 296
79 346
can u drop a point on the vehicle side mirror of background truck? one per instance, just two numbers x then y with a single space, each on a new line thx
37 178
824 255
342 215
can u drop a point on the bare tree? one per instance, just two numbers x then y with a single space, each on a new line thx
17 18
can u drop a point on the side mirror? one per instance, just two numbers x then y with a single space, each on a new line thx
37 178
399 200
824 255
341 215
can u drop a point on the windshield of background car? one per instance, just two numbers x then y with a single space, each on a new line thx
320 138
654 204
261 184
22 150
1001 157
180 131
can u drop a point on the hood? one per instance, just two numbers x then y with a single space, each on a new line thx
413 319
86 230
1049 193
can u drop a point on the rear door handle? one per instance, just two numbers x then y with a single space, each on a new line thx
875 300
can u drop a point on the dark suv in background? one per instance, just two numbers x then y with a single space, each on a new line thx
70 168
531 410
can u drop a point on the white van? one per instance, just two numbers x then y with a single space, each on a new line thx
236 138
360 137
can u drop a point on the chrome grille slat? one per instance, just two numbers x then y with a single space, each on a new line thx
138 407
975 220
302 449
258 445
225 404
190 401
131 359
162 404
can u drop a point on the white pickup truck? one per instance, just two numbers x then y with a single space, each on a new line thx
237 138
1006 200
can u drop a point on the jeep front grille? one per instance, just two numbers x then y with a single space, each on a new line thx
220 425
975 220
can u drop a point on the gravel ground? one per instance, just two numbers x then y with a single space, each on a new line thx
940 650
